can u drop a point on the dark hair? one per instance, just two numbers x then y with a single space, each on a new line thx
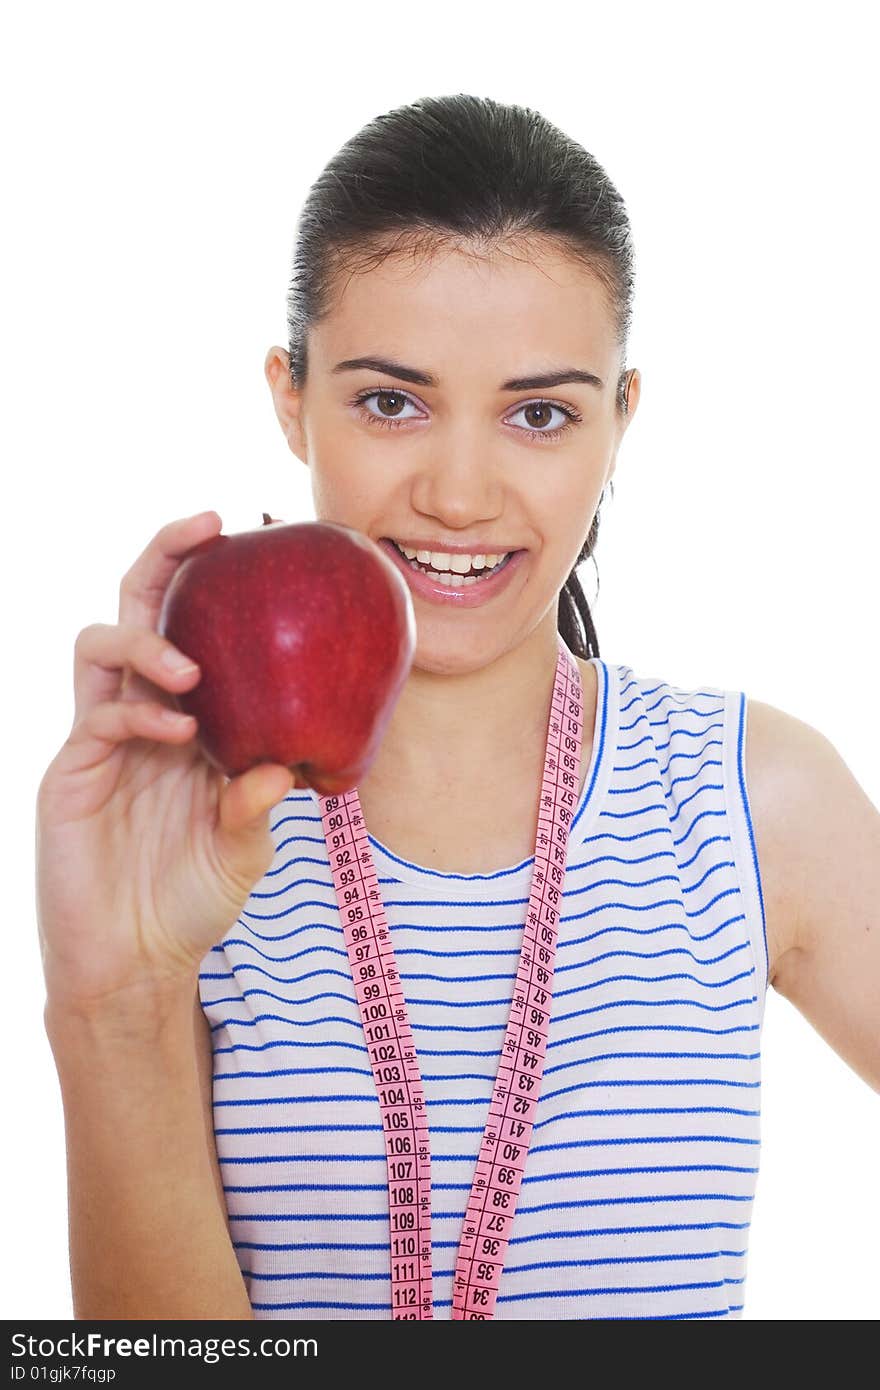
467 168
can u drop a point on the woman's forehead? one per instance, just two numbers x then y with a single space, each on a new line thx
535 300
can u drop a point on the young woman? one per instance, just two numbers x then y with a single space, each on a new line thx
455 384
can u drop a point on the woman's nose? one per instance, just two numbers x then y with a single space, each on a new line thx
459 480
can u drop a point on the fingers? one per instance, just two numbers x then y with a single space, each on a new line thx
102 653
105 726
143 586
242 836
245 800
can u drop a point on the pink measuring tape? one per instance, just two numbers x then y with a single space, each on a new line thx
502 1158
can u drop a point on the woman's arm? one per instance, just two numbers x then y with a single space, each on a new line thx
147 1221
818 842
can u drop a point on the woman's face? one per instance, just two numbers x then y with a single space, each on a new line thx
453 448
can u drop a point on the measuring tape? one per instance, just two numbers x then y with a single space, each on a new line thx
504 1148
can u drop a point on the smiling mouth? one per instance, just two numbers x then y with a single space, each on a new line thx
455 578
478 567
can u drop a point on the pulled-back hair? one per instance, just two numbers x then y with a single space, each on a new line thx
465 168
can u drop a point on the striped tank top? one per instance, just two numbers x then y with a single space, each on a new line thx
638 1191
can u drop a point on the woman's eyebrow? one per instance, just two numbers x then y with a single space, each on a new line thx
419 378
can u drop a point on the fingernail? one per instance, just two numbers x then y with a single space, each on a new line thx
177 662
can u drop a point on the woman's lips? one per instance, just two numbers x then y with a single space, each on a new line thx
465 596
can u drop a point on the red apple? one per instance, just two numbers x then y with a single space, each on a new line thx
305 635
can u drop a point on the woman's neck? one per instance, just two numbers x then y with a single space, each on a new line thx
457 783
452 735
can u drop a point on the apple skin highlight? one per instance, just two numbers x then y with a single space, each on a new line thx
304 633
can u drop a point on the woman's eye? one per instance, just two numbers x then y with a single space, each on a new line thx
390 405
539 416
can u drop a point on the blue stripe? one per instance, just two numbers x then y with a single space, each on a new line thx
462 906
292 1071
478 1129
322 1274
466 1186
280 979
662 1198
647 931
514 1297
363 1307
489 1076
654 761
493 1052
645 1288
610 1056
360 1276
526 1240
485 1027
651 1168
643 1139
629 1201
649 1081
712 1313
564 944
561 969
379 1156
491 1003
481 1100
746 808
492 1027
579 989
456 928
630 1231
642 1003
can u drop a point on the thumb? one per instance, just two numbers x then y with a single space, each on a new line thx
245 802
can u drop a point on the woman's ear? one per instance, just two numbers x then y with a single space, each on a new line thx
632 391
287 399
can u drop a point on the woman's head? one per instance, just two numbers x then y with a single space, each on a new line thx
476 248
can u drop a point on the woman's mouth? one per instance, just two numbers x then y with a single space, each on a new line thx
463 580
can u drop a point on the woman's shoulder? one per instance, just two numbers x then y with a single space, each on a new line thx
818 835
790 768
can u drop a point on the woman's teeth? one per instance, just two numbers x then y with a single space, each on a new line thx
456 571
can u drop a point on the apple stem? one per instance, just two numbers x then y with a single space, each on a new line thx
267 520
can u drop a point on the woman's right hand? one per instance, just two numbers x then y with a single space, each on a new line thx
146 853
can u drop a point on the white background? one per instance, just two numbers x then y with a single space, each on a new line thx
156 159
